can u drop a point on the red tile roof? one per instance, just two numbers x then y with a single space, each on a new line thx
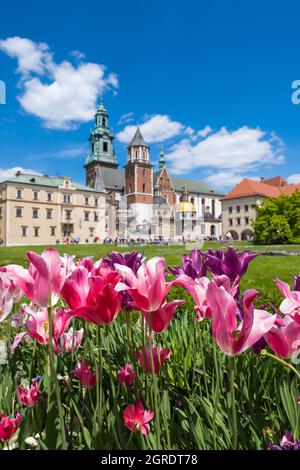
268 188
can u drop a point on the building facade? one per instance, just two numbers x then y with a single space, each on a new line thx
141 202
238 206
44 210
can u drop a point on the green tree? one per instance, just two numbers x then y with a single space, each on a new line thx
278 220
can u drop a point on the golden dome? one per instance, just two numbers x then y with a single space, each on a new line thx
185 206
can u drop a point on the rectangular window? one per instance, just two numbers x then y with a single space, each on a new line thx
49 197
86 201
18 212
144 188
96 218
19 193
68 215
49 213
238 221
247 220
230 222
238 208
96 202
86 216
91 231
35 213
36 231
0 212
230 210
35 195
246 207
52 231
105 147
24 231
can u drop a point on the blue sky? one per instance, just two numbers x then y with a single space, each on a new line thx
211 81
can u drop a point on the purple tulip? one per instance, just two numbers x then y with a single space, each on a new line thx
296 280
193 265
229 262
286 443
131 259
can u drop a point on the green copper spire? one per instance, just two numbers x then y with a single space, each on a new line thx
162 160
101 140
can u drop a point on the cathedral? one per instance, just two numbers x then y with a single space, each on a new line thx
143 202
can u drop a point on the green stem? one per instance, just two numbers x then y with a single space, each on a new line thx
55 382
217 394
144 357
233 404
99 379
203 363
265 353
154 384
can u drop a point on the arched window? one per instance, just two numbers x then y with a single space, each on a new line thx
103 122
213 207
213 230
136 154
144 188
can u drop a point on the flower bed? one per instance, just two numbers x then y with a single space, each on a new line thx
128 353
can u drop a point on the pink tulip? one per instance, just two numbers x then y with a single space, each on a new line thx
298 400
197 288
159 358
291 304
84 374
8 426
27 395
284 339
148 287
38 327
93 296
162 317
233 338
136 417
6 297
126 376
42 282
71 341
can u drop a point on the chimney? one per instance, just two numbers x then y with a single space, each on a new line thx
18 173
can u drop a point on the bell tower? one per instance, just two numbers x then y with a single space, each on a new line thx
101 152
138 172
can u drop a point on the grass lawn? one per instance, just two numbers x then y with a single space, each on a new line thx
259 276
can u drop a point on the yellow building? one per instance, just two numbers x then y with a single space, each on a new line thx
44 210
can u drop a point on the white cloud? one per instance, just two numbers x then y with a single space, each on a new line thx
62 95
31 56
205 131
157 128
239 151
125 118
9 173
71 152
293 179
226 179
77 55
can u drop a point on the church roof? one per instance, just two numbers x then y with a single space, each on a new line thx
138 140
113 178
193 186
